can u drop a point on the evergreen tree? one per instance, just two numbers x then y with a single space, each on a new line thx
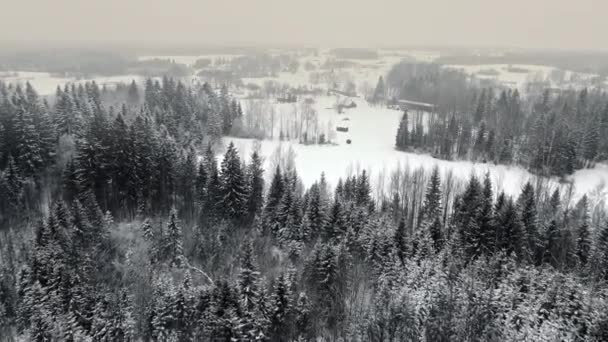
275 193
601 251
400 241
527 209
432 200
28 153
552 243
303 318
403 136
248 279
316 212
363 190
583 239
213 197
233 185
466 214
174 244
255 180
511 233
280 310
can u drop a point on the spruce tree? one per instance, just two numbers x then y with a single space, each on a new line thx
28 149
213 194
432 199
275 193
201 184
316 212
583 238
174 244
255 180
280 310
403 136
527 209
233 185
248 279
400 241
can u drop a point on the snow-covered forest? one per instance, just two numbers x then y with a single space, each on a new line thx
180 191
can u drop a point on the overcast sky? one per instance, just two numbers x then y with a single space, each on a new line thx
514 23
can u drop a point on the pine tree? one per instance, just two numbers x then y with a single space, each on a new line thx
403 136
316 213
174 244
400 241
303 318
233 186
432 200
511 235
363 191
93 158
487 226
275 193
480 143
28 149
552 243
480 109
583 239
65 118
601 251
464 139
466 214
121 168
248 279
280 310
255 180
336 225
527 209
213 189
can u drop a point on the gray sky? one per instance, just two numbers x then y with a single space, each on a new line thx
516 23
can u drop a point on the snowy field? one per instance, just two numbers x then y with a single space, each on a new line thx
372 131
517 75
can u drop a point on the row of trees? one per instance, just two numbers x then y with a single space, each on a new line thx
498 268
107 151
550 135
144 240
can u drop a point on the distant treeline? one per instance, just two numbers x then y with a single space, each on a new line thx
84 63
550 134
591 61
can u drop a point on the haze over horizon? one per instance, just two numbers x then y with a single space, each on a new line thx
518 23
